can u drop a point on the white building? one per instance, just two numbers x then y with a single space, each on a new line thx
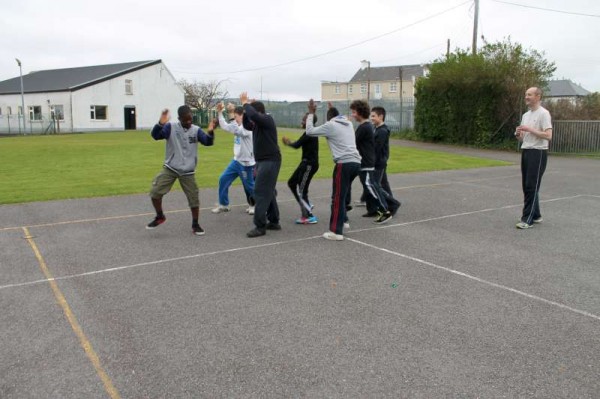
94 98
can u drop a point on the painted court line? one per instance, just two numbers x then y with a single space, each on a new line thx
147 214
480 280
457 215
156 262
83 340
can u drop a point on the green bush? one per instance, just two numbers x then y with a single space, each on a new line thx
477 99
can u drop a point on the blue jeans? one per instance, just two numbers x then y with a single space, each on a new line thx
232 172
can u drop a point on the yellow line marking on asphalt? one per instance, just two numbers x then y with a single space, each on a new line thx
85 343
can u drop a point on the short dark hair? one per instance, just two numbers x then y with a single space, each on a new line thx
379 111
239 110
332 113
259 106
361 107
183 110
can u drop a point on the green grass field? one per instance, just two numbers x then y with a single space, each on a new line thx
42 168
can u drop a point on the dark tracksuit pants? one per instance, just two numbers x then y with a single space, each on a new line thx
383 182
533 165
265 194
343 176
392 203
299 182
376 200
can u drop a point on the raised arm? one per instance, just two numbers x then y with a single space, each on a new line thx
207 139
162 130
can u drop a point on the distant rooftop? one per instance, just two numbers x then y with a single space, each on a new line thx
389 73
565 88
69 79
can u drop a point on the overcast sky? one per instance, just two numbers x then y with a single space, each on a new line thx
200 40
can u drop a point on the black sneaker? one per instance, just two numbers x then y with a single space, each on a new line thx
256 232
273 226
370 214
197 230
383 217
156 222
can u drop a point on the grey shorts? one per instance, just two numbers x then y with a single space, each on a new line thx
163 182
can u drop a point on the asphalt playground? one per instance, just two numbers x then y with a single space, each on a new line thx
448 300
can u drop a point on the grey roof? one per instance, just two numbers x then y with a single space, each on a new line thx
389 73
565 88
69 79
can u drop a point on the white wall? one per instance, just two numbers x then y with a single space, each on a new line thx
44 100
154 88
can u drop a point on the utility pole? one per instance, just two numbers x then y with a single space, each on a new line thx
401 100
475 22
448 49
22 96
261 92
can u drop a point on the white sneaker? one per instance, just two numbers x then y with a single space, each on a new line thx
538 220
250 210
221 208
330 235
346 225
523 225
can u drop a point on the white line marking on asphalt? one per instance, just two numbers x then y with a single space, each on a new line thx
500 286
112 269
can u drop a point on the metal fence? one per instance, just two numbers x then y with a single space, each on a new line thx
13 125
399 114
575 137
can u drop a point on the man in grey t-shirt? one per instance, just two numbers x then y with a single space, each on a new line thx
534 133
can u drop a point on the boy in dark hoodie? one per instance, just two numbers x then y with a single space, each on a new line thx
302 176
382 154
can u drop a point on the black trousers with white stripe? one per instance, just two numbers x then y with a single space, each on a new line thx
299 182
533 166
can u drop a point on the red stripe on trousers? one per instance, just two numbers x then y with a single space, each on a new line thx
337 197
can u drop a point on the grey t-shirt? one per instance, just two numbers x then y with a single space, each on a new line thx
539 120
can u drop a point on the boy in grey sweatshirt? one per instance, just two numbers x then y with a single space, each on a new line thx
339 133
181 158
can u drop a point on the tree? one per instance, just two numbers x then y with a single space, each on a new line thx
203 95
478 98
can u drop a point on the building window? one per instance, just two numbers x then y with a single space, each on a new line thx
393 87
349 89
363 88
0 112
337 89
9 111
377 88
35 113
58 112
98 112
20 110
128 86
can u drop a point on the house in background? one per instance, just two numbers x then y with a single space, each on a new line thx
93 98
381 83
564 90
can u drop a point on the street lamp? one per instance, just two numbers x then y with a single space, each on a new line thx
367 64
22 96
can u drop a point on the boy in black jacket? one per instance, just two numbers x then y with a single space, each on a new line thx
268 163
382 154
302 176
365 143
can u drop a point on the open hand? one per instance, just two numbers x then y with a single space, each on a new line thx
164 116
220 107
244 98
211 125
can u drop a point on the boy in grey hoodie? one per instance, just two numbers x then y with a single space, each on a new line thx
339 133
181 158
